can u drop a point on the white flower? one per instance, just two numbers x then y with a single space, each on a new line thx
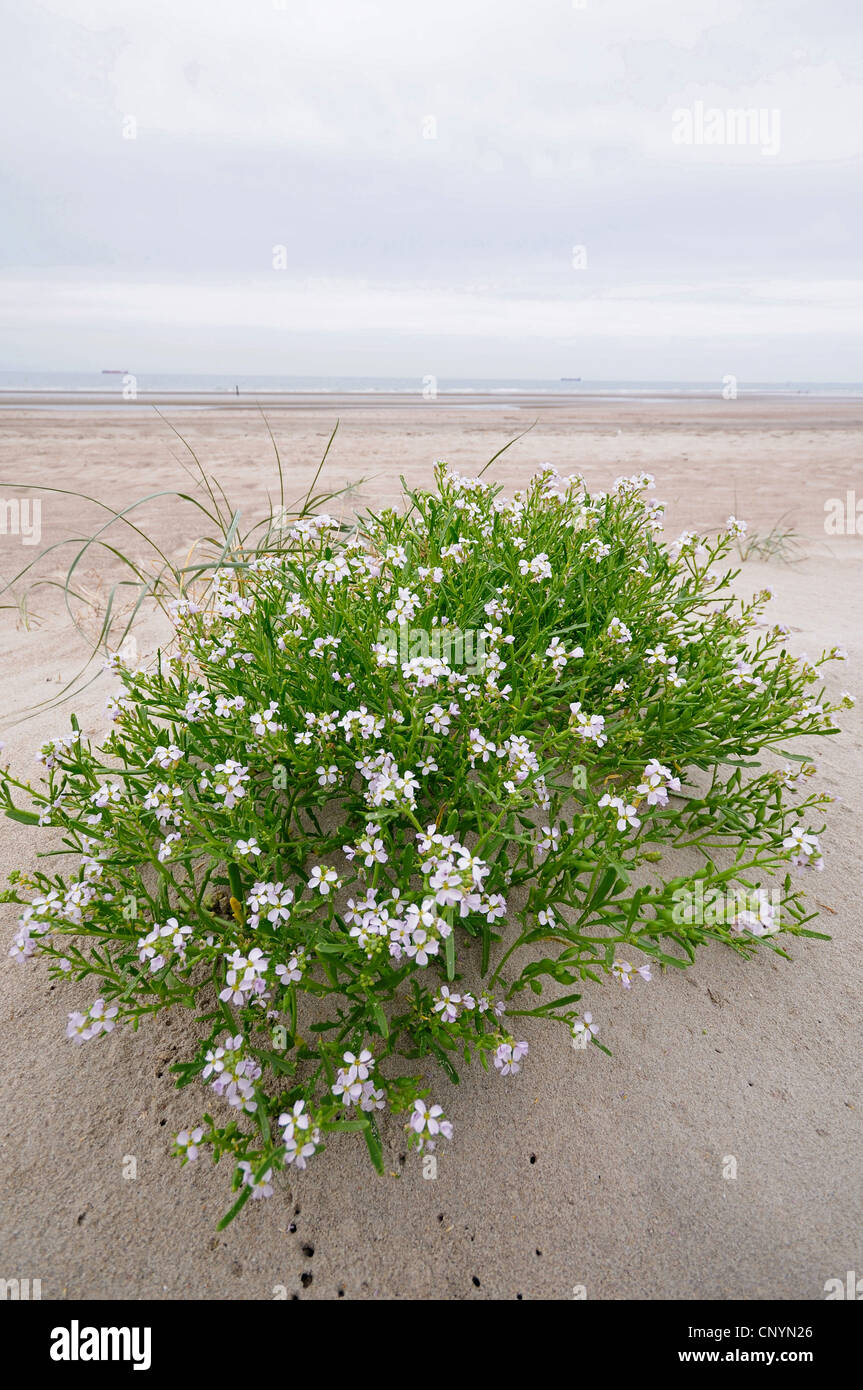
450 1005
327 776
294 1119
438 719
291 972
347 1086
656 783
166 757
225 706
590 727
384 655
421 946
240 1094
756 914
245 975
373 1098
619 632
272 898
108 794
494 907
265 722
625 973
625 813
78 1028
351 1077
480 747
370 847
324 879
81 1028
404 607
597 548
688 540
196 705
508 1057
558 655
538 568
23 946
233 775
430 1120
166 847
102 1019
321 645
189 1141
549 839
248 847
658 656
261 1187
583 1031
214 1062
299 1153
804 847
359 1067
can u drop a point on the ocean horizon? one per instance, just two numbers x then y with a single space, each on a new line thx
113 381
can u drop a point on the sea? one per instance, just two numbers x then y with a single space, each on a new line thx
112 382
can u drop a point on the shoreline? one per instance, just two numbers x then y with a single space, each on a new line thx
503 399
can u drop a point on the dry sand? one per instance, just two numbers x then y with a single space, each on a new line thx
583 1170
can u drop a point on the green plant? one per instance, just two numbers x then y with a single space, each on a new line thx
356 858
779 543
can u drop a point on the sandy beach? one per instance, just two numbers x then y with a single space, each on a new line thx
605 1173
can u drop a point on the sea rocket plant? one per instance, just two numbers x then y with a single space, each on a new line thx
341 860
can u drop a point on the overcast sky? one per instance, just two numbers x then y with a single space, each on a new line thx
427 170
